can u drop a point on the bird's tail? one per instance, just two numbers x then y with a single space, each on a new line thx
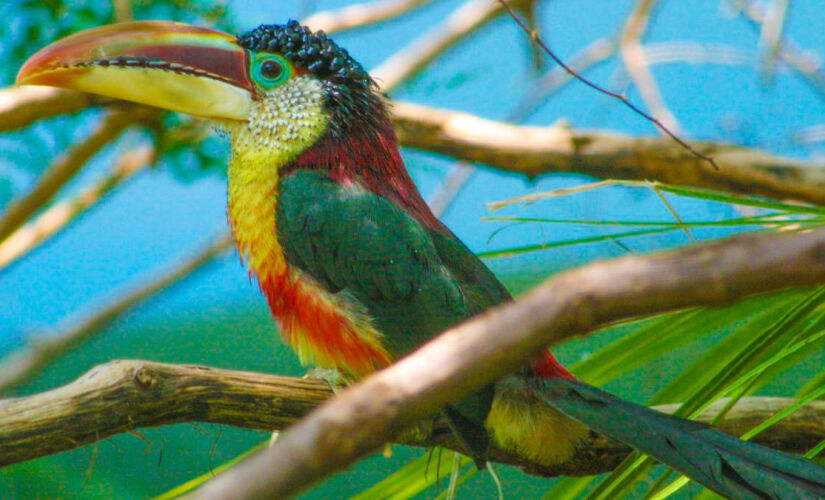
725 464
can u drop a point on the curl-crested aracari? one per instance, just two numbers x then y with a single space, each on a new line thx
356 269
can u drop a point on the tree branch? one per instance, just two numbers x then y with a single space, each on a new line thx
22 365
635 62
533 151
22 106
359 15
376 410
66 166
124 395
58 216
411 59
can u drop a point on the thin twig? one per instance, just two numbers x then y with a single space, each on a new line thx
633 56
410 60
58 216
64 169
534 36
672 210
771 37
359 15
20 367
456 178
555 80
809 67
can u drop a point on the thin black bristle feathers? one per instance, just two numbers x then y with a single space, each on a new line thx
350 91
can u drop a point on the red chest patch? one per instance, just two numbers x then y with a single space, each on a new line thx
321 328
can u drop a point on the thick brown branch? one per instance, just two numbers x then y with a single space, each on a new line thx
533 151
373 412
125 395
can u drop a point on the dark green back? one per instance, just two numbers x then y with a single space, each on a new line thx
414 282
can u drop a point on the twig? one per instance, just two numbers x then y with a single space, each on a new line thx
534 36
65 167
365 416
554 80
533 151
19 367
456 178
57 217
22 106
809 67
633 56
771 37
672 210
411 59
358 15
121 396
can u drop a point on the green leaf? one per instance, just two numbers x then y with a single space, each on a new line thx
190 485
415 477
509 252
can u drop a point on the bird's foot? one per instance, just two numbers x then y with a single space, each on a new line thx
331 376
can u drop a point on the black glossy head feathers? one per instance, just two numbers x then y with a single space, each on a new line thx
350 91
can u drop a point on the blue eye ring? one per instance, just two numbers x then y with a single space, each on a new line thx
270 70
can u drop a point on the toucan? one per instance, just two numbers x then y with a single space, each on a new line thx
356 269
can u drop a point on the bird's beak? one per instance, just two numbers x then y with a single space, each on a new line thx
198 71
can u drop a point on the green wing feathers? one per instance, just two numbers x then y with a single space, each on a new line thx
413 282
723 463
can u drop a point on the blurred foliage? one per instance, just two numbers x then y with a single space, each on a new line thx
33 24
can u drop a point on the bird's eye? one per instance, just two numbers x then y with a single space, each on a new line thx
270 70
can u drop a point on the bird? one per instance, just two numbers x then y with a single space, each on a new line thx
355 268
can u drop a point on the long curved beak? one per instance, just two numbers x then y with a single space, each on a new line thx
175 66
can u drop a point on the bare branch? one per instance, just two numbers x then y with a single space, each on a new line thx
771 37
21 366
636 109
633 56
124 395
411 59
22 106
557 78
533 151
355 16
61 214
364 417
808 66
65 167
